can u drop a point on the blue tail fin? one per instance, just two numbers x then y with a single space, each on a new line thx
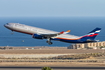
91 35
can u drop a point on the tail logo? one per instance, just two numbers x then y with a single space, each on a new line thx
91 35
94 33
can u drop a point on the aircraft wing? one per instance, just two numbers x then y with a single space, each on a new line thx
53 35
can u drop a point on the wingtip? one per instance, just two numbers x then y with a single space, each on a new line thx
68 31
64 32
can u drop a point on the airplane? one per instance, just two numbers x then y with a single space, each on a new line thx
39 33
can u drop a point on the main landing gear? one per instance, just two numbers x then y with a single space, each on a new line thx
49 41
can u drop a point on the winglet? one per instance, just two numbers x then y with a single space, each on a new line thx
64 32
68 31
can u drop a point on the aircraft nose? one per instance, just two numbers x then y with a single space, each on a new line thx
6 25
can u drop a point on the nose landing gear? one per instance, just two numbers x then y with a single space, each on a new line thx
12 32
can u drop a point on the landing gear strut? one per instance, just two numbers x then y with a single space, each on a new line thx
12 32
49 41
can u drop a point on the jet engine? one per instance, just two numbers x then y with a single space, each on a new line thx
37 36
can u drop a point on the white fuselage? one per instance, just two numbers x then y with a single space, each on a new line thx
34 30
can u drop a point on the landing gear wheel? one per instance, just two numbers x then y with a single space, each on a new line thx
49 42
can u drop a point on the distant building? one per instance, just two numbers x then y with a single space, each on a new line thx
94 45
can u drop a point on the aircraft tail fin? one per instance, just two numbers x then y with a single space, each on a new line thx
91 35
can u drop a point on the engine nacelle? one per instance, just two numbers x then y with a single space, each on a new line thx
37 36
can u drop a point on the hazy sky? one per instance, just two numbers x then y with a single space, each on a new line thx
47 8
